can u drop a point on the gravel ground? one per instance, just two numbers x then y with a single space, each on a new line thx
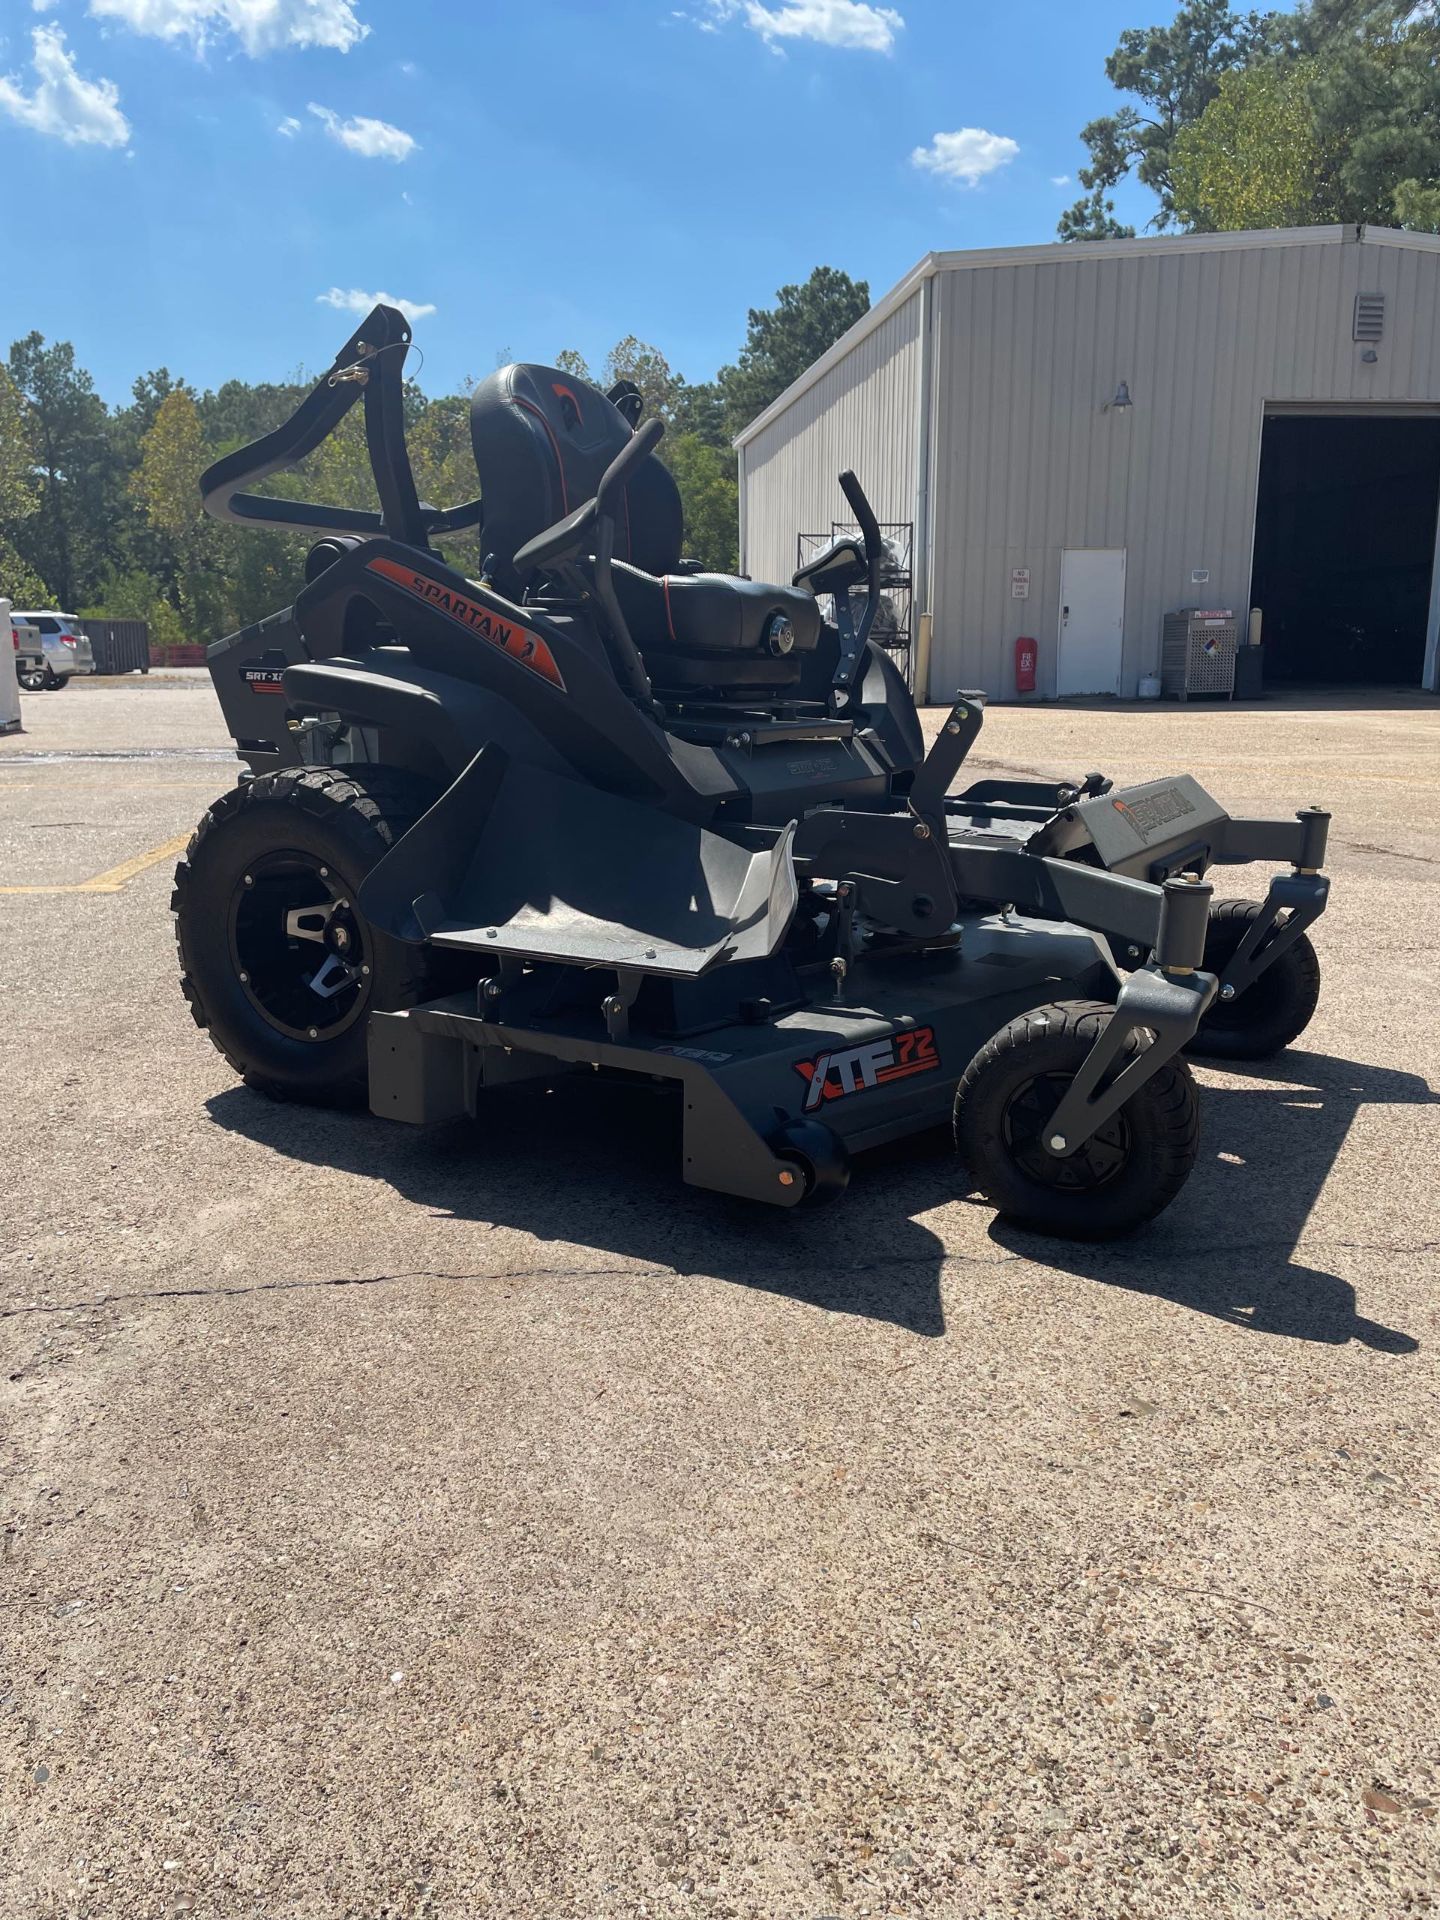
480 1522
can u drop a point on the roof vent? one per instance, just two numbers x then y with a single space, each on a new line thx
1369 316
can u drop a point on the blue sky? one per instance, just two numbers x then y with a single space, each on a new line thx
189 183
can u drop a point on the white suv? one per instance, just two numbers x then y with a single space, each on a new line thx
65 648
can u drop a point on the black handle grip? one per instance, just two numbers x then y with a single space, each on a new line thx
853 655
863 511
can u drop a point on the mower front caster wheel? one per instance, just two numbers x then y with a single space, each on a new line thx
1129 1170
1273 1010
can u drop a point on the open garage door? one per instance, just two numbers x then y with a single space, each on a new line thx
1345 544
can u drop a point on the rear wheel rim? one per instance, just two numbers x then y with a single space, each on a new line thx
300 951
1096 1163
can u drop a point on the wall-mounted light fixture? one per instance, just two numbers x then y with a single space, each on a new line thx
1121 398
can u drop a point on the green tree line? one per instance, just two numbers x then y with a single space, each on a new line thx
100 506
1275 119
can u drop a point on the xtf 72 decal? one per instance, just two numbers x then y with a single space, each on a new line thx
525 648
858 1069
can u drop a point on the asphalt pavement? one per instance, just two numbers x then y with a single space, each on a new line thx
480 1522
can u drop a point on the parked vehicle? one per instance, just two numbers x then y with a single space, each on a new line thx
29 654
65 650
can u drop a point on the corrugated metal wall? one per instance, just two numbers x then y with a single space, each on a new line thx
863 414
1026 463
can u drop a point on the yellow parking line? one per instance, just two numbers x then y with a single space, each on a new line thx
115 878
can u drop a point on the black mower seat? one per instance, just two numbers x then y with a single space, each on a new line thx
711 630
542 440
717 613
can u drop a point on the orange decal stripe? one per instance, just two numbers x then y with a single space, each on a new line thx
903 1073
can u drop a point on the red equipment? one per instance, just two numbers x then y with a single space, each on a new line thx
1026 654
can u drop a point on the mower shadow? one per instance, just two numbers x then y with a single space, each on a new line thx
1227 1247
597 1164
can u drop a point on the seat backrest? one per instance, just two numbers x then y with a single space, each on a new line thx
542 440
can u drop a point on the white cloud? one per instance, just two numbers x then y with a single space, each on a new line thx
261 26
70 108
289 126
356 300
44 6
834 23
1059 179
965 155
373 139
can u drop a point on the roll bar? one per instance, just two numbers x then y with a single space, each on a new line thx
369 365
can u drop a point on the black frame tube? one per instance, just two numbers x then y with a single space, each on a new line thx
370 364
1108 903
856 635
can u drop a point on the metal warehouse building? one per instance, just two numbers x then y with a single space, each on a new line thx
1071 442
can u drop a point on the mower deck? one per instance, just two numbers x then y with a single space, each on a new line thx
876 1063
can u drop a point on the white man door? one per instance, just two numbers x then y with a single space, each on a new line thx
1092 620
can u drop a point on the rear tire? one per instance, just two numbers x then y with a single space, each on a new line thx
1274 1010
1130 1169
56 682
264 906
32 679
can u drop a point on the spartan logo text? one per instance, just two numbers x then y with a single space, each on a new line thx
518 643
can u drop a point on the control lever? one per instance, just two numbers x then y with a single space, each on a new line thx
854 635
590 529
629 666
572 535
